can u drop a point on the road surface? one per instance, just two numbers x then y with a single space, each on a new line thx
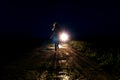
45 64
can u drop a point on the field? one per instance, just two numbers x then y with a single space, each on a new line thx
105 54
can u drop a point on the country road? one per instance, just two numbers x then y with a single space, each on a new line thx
68 64
45 64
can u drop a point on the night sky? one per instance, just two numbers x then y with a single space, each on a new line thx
35 18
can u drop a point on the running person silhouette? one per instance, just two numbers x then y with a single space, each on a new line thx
55 35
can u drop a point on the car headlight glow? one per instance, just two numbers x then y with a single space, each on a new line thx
64 37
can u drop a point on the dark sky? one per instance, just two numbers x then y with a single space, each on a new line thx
35 18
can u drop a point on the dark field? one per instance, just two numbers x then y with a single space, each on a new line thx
104 51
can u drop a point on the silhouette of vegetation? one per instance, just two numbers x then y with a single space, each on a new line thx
106 57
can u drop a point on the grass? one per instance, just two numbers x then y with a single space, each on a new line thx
107 58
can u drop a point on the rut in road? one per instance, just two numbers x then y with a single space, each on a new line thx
44 64
69 62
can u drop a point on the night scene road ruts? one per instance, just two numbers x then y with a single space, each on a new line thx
59 40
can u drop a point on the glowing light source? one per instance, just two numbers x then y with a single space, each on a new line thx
64 37
60 46
66 78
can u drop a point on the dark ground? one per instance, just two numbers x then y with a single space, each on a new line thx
15 47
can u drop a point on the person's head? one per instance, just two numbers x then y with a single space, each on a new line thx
55 25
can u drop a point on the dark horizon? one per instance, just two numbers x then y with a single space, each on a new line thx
27 23
35 18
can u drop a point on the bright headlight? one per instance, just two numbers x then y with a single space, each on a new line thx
64 37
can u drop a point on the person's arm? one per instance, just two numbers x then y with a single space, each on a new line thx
53 28
52 35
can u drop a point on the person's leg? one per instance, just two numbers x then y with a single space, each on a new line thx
55 46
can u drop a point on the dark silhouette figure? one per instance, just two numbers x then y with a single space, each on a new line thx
55 35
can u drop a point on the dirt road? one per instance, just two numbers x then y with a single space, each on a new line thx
45 64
